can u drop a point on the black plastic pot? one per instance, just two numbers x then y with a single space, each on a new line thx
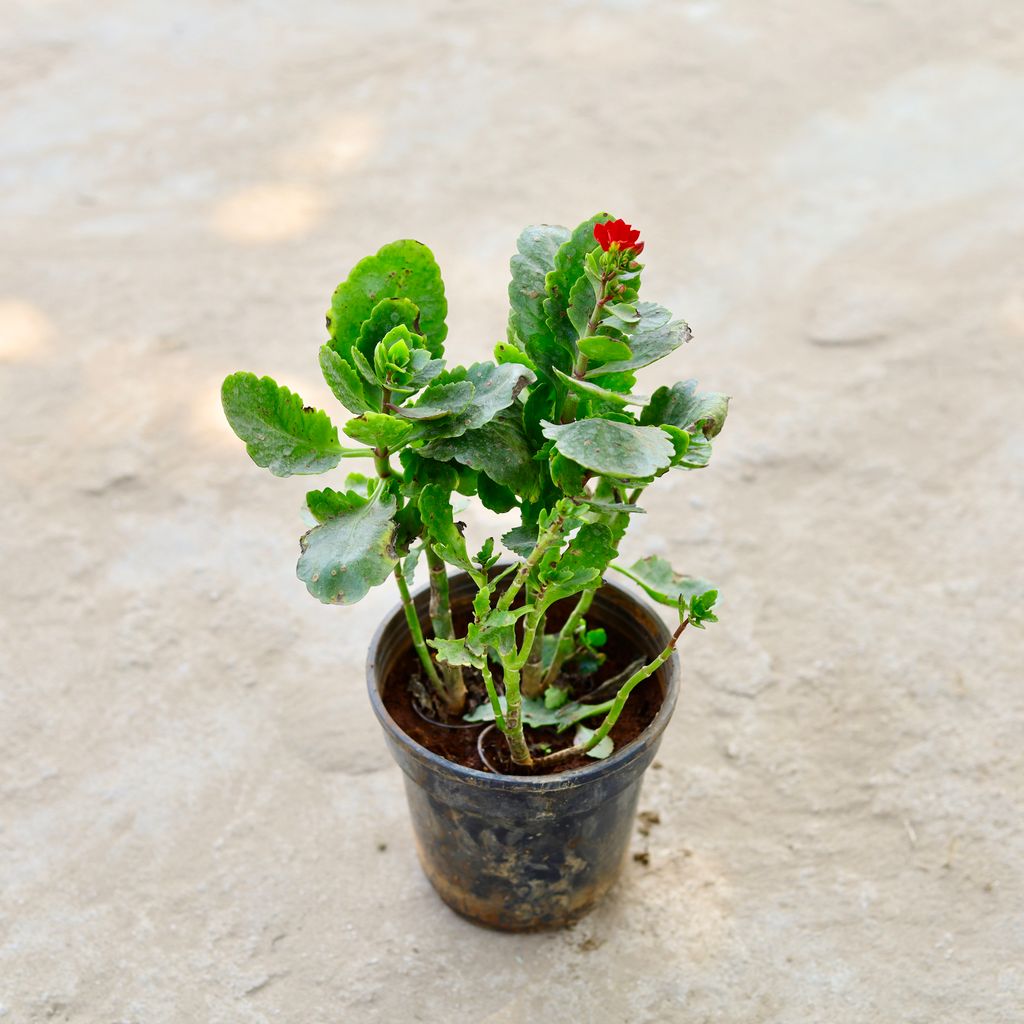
525 852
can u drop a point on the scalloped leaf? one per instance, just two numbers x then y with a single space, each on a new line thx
599 750
653 338
495 387
435 504
328 503
345 382
583 561
588 389
568 269
499 449
683 406
280 433
494 496
662 583
605 349
439 400
537 247
385 316
613 449
350 553
405 269
379 430
456 652
581 305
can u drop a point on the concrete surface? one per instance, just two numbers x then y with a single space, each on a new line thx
199 819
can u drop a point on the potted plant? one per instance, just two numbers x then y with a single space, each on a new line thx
523 698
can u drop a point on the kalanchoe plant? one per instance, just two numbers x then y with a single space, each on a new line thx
552 427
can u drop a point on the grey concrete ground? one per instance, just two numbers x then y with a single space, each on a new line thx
198 818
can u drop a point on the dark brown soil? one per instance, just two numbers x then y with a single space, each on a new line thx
457 741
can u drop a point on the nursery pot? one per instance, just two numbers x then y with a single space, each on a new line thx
524 852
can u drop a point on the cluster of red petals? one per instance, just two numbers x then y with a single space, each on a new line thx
618 231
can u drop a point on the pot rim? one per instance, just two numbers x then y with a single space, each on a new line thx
618 760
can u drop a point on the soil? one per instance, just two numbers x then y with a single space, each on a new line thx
457 741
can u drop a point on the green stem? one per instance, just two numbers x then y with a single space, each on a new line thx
549 536
356 453
441 620
566 637
416 632
617 704
533 670
492 694
514 719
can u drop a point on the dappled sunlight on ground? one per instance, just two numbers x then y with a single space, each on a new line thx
341 144
1012 312
268 213
25 331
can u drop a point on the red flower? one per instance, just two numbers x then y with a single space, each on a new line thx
620 233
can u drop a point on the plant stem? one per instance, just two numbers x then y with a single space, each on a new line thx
533 670
514 719
416 632
492 695
544 541
566 637
441 620
453 699
617 704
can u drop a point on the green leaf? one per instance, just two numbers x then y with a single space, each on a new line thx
601 750
379 430
348 386
424 369
280 434
456 652
683 406
410 562
624 311
680 441
537 247
583 561
385 316
536 714
698 453
599 346
499 449
699 609
581 305
567 475
439 400
495 388
435 504
494 496
598 505
521 539
613 449
662 582
587 389
328 503
506 352
350 552
400 270
568 269
554 698
653 338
